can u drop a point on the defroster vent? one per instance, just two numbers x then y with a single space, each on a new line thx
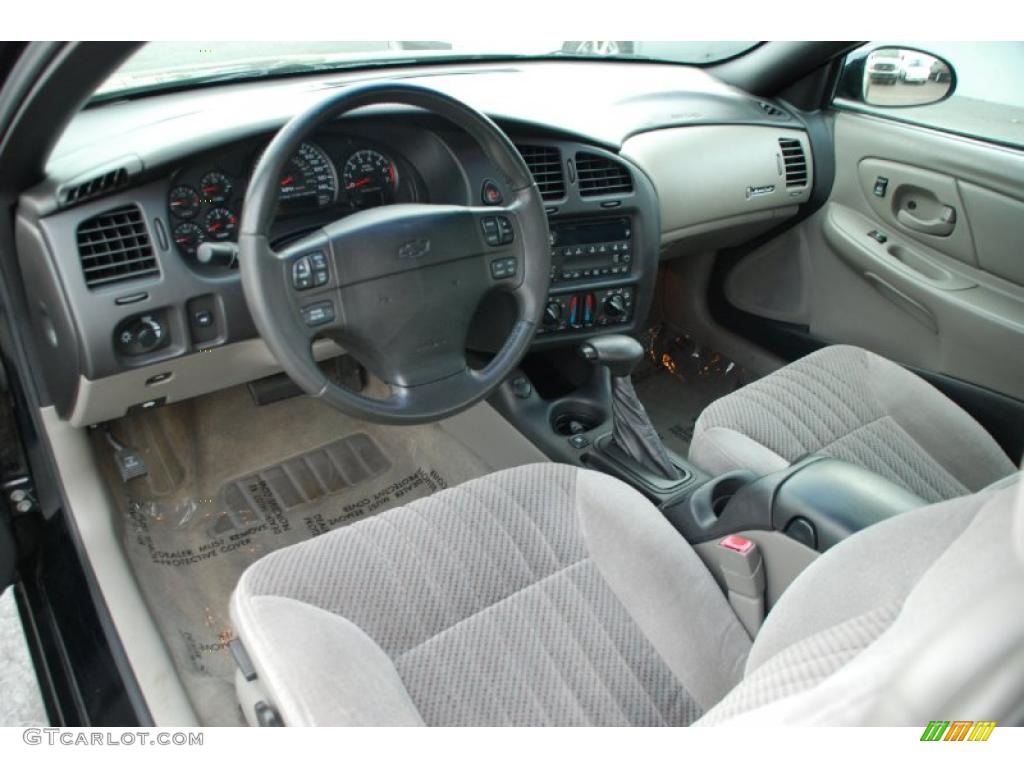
545 163
116 246
600 175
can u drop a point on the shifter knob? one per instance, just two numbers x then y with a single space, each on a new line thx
619 354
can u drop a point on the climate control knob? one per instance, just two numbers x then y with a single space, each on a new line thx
614 306
552 314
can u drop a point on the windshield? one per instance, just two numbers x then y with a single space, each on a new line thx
164 64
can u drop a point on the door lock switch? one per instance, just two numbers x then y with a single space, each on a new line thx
881 186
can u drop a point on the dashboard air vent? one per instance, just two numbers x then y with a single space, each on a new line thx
97 185
545 163
115 246
601 176
795 162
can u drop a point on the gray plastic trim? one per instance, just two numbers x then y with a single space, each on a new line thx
100 400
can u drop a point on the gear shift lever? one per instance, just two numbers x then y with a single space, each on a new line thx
632 430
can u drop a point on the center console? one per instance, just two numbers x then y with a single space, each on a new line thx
584 251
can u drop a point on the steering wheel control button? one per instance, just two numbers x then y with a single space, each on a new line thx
318 314
497 230
505 231
502 269
302 274
490 194
490 227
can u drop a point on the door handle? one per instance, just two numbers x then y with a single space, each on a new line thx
940 227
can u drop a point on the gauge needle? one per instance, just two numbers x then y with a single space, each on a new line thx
357 184
215 227
287 180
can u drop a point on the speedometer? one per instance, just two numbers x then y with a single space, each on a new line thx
309 180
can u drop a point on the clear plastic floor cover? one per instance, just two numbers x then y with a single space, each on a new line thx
679 378
228 482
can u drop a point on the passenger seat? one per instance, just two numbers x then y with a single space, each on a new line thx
853 405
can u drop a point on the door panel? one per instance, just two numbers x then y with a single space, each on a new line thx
943 290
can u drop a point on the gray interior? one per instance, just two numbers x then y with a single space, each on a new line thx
919 299
383 546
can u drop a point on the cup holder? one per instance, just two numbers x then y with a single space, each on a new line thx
709 501
723 488
575 416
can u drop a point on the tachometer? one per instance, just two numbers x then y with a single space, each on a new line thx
370 179
308 180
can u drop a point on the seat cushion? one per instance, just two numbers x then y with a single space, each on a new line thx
853 405
541 595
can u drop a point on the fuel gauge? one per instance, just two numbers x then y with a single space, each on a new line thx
188 237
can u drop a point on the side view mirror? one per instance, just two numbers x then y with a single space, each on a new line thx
898 77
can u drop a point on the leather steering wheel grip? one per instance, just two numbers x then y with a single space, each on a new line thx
266 275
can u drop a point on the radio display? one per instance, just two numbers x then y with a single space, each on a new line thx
590 232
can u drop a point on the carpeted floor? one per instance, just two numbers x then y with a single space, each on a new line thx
229 482
678 380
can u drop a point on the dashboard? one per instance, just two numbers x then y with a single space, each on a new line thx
329 177
127 315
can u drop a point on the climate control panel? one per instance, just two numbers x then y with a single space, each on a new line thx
588 309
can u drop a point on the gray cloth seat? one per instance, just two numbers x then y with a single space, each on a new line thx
851 404
550 595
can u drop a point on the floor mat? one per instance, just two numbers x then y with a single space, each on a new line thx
229 482
678 380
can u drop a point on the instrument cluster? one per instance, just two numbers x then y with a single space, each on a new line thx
323 180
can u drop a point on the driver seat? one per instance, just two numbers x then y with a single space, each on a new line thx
551 595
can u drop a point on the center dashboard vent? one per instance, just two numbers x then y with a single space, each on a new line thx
795 162
115 246
545 163
601 175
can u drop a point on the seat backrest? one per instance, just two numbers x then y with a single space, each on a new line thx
917 618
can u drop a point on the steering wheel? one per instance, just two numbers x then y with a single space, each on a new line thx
396 286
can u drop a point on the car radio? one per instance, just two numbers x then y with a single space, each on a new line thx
590 248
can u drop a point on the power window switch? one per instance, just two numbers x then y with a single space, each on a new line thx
878 236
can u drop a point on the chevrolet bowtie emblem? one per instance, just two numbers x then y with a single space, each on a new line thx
414 249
